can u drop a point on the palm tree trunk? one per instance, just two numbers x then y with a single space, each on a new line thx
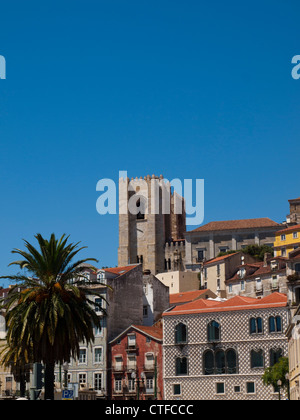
22 385
49 381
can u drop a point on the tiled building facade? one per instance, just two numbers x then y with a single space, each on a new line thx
219 350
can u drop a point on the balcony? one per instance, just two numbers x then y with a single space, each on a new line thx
149 366
119 367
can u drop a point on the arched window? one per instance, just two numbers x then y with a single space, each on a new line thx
257 359
275 324
275 355
141 205
181 366
220 362
213 331
180 333
231 361
256 326
209 362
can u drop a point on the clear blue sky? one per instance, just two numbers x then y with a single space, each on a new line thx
187 89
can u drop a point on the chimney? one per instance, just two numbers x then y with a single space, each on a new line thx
267 256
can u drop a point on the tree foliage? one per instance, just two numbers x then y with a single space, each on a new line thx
49 312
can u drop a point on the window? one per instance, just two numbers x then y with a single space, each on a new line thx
256 326
131 340
82 356
145 311
257 359
275 355
131 361
82 378
118 385
218 269
230 288
149 385
275 324
149 361
237 389
220 388
177 389
231 361
98 305
242 285
283 237
131 384
141 205
220 362
274 282
297 268
97 381
213 331
258 284
209 363
180 334
295 235
97 354
181 366
283 252
201 255
250 388
118 363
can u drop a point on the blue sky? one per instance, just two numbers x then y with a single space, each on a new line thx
186 89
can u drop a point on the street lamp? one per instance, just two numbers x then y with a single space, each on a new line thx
136 379
66 368
279 383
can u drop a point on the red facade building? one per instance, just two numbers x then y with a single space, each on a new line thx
136 364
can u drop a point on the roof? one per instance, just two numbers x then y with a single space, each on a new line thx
177 298
254 270
294 199
237 224
237 303
218 259
120 270
289 229
154 332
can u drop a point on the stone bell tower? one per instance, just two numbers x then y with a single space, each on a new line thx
149 217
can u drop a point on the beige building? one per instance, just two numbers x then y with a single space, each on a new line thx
207 241
150 216
217 271
180 281
293 335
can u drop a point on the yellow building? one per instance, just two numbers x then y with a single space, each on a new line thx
286 241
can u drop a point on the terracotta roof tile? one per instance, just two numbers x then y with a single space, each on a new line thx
155 332
289 229
186 296
120 270
237 224
237 303
217 259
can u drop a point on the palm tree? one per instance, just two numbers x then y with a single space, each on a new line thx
49 312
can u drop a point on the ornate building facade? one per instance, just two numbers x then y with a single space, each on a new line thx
219 350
